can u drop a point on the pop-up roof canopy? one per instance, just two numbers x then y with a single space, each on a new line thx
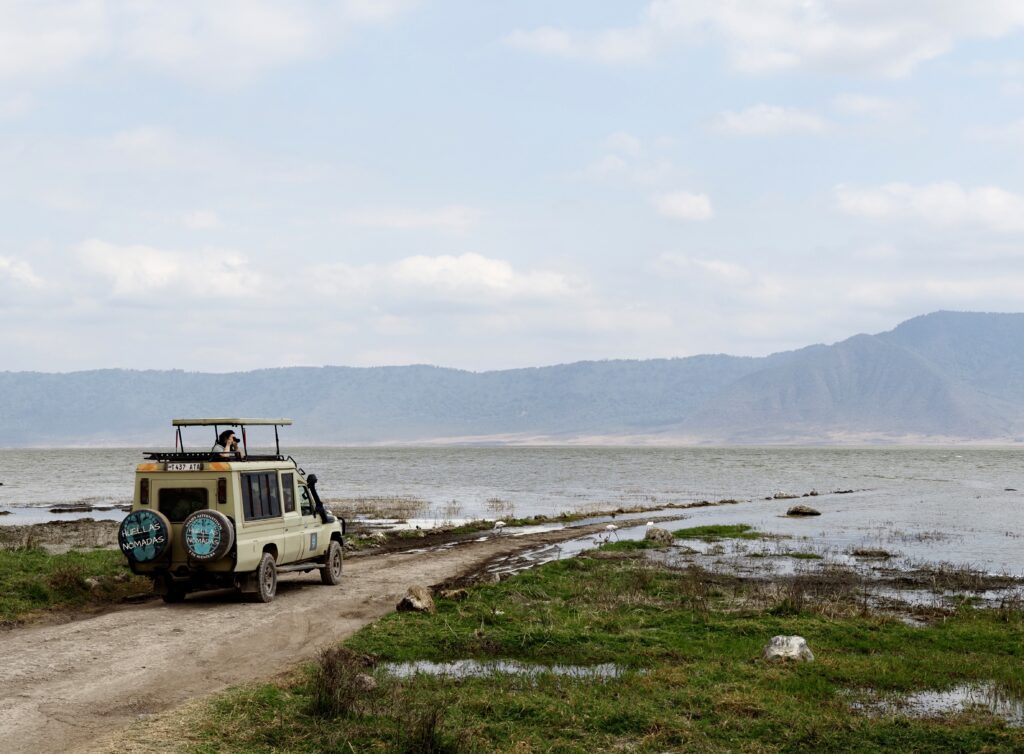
229 422
216 423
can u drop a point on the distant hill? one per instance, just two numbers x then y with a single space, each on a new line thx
946 375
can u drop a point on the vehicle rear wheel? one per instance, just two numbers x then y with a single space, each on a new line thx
174 594
266 579
330 574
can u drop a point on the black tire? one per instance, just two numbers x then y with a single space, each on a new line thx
174 594
144 535
207 535
266 579
330 574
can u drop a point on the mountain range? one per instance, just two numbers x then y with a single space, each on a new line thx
945 376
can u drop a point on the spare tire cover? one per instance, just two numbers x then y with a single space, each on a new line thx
207 535
144 535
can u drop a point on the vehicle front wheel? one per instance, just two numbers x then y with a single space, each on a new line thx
330 574
266 579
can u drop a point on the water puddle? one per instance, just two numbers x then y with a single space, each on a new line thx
985 696
476 669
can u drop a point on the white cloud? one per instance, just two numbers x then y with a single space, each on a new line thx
773 35
629 159
717 277
465 278
476 273
200 219
682 205
456 218
217 43
769 120
611 46
942 204
235 38
19 273
137 272
862 105
43 37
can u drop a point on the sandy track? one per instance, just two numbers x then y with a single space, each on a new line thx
64 686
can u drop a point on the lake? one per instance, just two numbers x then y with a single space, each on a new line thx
949 504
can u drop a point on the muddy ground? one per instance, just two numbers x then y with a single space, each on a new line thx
61 536
78 686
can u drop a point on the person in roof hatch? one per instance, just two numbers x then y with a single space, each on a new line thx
227 444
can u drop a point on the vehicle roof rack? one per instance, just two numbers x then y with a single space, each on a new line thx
229 422
217 423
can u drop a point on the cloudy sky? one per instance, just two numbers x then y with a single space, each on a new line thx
232 184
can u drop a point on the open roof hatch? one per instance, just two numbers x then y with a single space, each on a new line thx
217 423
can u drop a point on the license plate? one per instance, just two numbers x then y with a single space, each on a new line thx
184 467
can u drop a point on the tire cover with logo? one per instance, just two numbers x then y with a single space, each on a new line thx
144 535
207 535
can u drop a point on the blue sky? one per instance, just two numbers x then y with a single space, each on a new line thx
230 185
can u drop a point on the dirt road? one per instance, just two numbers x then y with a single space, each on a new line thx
64 686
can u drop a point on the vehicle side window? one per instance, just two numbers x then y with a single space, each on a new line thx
260 495
288 492
178 502
304 501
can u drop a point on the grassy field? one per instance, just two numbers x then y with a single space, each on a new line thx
687 644
33 582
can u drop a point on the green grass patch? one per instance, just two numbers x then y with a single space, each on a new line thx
689 645
718 532
33 581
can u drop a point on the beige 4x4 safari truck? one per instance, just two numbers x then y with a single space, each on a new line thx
207 519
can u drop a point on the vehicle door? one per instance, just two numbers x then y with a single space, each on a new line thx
311 540
293 524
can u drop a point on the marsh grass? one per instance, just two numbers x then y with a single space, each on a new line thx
501 507
396 507
337 682
689 642
33 581
450 511
938 577
718 532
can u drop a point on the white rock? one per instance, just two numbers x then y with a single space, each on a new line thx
417 599
661 536
787 648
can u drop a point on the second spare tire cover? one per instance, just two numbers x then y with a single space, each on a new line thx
207 535
144 535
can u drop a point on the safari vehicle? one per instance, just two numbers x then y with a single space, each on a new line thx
214 519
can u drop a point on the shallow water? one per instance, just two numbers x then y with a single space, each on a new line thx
989 697
929 504
477 669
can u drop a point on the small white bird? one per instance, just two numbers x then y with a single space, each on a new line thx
650 523
610 527
499 525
